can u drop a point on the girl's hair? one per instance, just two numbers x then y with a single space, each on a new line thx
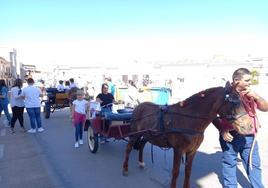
17 83
104 85
67 83
30 81
2 83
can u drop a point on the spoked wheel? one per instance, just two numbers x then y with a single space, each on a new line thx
93 142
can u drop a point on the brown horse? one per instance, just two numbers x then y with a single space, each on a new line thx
179 126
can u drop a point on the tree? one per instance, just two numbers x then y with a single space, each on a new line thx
255 77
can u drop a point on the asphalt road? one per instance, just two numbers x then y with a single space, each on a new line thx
49 159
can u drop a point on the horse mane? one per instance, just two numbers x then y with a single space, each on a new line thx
189 105
196 97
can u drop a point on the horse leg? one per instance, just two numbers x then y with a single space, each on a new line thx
141 161
176 166
127 153
188 169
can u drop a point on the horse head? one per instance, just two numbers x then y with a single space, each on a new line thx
232 108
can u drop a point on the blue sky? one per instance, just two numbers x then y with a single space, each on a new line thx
114 25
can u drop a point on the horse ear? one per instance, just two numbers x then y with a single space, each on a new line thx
231 94
228 84
228 87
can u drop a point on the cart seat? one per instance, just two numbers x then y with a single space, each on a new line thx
62 98
118 117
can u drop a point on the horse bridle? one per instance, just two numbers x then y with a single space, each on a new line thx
234 102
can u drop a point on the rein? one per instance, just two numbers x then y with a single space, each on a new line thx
250 110
239 116
189 115
175 113
249 106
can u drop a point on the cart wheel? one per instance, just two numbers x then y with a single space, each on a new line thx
47 111
93 142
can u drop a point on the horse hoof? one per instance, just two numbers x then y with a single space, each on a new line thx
141 164
125 173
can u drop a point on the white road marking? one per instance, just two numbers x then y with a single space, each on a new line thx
1 151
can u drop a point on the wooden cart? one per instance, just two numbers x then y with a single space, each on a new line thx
98 128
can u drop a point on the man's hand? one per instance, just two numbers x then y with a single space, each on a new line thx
250 93
262 104
227 136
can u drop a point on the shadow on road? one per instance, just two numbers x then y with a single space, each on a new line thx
206 164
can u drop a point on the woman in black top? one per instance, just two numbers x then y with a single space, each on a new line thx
105 98
106 101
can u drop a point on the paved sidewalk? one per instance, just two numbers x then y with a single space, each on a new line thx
22 163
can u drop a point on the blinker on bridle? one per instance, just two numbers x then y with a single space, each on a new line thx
235 103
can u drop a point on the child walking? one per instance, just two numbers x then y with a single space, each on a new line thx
79 110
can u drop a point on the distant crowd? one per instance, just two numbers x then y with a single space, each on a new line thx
28 95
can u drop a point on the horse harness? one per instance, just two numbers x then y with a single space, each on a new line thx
163 110
162 130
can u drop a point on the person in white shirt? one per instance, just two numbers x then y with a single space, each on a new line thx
72 84
31 95
80 108
60 87
17 104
